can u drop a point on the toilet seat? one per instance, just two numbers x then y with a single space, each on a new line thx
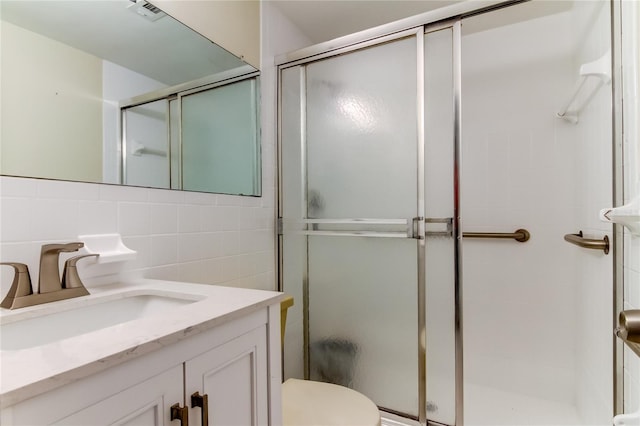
309 403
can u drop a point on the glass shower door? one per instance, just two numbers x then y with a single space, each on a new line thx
351 183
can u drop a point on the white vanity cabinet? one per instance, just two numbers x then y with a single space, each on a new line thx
234 378
234 367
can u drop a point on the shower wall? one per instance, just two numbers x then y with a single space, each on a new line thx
518 172
532 310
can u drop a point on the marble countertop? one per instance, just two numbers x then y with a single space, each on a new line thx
27 372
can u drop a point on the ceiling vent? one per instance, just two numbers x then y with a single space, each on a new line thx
146 10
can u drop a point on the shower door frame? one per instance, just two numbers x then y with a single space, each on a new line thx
419 34
447 17
415 226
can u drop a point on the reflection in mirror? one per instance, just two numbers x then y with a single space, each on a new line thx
67 67
147 143
203 139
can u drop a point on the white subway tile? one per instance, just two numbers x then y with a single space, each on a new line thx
68 190
164 218
190 247
247 218
164 272
210 218
230 267
632 251
201 198
632 282
134 219
265 218
55 219
194 272
169 196
97 217
164 250
16 218
18 187
142 245
188 218
251 202
265 281
124 193
229 218
268 196
229 200
230 244
211 244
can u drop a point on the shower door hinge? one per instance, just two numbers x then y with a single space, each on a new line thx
279 226
439 230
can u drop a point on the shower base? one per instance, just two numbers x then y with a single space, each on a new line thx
486 406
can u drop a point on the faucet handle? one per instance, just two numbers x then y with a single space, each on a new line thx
21 285
70 277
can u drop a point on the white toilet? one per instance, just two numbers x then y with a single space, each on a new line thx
307 403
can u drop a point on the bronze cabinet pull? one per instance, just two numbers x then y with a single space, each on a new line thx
201 401
180 413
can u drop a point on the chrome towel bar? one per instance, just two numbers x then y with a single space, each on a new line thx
589 243
521 235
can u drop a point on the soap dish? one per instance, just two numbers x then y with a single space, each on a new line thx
109 246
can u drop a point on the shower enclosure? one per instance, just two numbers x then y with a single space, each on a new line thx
368 215
397 143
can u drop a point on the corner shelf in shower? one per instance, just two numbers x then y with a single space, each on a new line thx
599 69
627 215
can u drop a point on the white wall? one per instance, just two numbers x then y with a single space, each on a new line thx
197 237
524 303
205 238
50 93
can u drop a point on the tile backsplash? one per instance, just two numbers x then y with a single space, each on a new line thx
184 236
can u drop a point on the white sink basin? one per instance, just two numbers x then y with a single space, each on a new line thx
74 317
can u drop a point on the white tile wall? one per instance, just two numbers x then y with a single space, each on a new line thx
180 236
537 315
519 299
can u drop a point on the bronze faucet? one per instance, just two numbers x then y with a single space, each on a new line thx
49 280
50 287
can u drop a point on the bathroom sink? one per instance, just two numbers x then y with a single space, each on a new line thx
47 325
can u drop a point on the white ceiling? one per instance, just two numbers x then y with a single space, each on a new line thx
322 20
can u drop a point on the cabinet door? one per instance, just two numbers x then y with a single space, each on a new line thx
234 376
147 403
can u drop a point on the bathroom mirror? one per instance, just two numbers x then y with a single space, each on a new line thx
67 69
